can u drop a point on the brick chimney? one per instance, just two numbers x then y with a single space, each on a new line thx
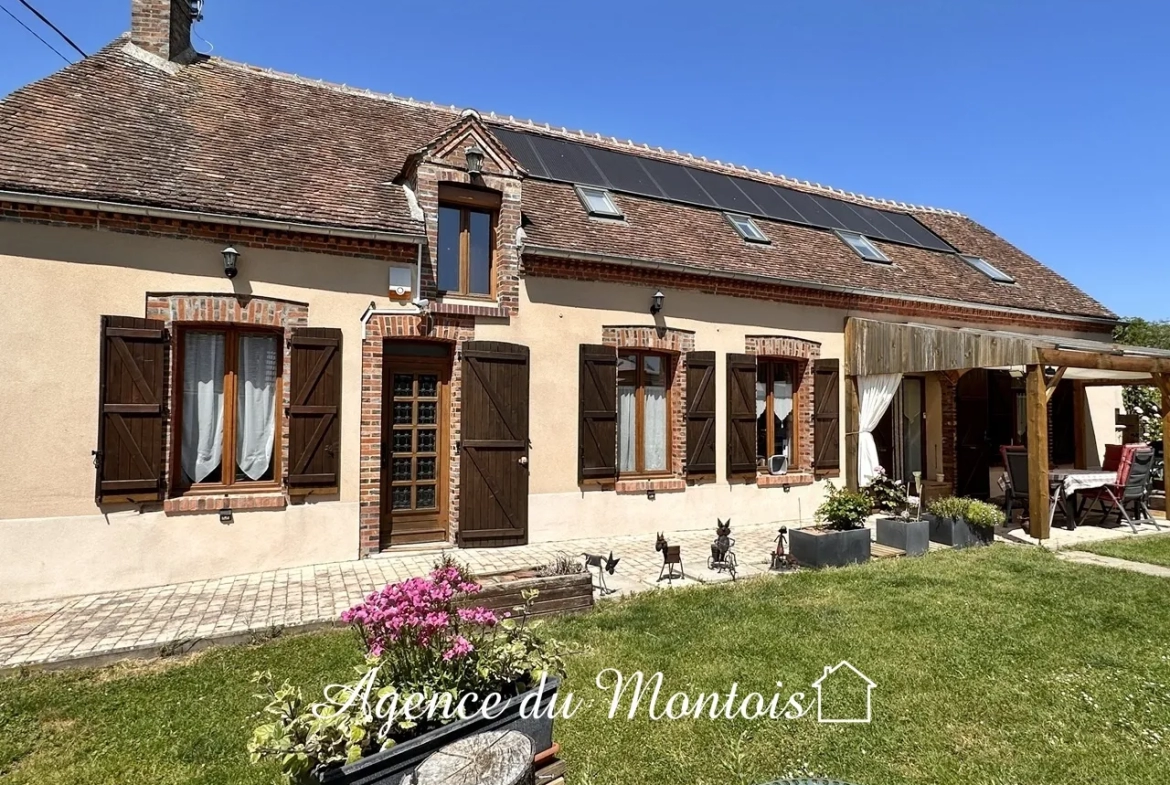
163 27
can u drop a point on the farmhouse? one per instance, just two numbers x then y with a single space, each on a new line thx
252 320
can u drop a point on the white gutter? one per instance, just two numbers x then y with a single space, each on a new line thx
204 217
706 272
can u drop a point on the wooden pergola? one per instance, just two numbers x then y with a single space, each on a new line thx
878 347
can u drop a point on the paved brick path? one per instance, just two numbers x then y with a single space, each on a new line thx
148 621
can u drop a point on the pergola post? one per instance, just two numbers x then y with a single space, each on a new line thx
1037 403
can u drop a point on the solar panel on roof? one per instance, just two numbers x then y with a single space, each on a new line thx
676 183
771 201
725 192
625 172
567 162
575 162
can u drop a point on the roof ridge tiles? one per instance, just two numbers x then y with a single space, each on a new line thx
595 137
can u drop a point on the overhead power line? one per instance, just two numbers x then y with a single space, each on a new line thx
35 35
56 29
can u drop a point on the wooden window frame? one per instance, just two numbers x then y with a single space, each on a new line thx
769 365
668 361
179 485
468 202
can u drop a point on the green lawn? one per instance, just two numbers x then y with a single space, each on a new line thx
999 666
1151 549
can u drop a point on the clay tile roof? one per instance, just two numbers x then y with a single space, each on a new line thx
222 137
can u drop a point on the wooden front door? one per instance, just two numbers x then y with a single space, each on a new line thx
493 455
414 444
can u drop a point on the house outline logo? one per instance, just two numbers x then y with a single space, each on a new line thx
820 683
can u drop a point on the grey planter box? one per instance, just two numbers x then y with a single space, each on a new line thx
390 766
913 537
957 533
815 548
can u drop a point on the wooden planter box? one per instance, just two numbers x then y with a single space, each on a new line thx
913 537
558 593
390 766
957 533
814 547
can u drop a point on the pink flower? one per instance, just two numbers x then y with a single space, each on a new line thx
461 648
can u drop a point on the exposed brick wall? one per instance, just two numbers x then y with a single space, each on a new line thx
189 308
547 267
452 330
161 27
950 427
804 353
676 343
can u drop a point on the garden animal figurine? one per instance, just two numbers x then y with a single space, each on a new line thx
671 555
603 564
781 559
722 559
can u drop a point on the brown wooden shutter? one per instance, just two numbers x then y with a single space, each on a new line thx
827 420
131 419
700 413
597 436
741 415
314 412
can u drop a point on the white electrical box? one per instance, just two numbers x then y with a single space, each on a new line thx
401 279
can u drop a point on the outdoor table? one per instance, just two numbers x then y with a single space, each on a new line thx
1068 482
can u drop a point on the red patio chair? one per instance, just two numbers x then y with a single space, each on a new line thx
1112 460
1132 487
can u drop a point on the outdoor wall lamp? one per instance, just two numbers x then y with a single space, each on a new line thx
230 258
474 156
656 304
1016 372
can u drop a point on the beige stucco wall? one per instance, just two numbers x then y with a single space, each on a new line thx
55 284
556 317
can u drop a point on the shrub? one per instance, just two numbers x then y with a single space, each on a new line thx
844 509
982 515
418 641
562 565
951 507
886 494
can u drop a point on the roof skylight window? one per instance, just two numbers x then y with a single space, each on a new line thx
598 201
987 268
864 248
747 228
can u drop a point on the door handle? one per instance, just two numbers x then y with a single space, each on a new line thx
522 460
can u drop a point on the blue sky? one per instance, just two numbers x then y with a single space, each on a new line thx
1045 121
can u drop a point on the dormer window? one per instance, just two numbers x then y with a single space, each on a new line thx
466 244
863 247
987 268
598 201
747 228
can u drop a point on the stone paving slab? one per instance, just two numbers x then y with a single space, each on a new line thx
180 617
1084 557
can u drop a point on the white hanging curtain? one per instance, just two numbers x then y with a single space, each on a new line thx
874 393
654 429
781 410
256 404
202 441
627 428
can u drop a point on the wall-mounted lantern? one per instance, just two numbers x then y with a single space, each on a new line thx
656 303
231 258
474 157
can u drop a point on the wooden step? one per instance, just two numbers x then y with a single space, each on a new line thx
877 551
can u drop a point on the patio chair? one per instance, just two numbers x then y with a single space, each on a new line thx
1134 479
1112 460
1015 464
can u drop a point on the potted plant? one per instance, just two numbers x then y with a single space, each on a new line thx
423 644
896 525
962 523
840 536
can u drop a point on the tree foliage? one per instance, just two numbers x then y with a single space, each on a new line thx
1145 402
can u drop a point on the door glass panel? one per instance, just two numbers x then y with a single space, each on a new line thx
402 469
403 384
401 441
425 469
428 385
426 497
427 413
400 497
426 440
403 412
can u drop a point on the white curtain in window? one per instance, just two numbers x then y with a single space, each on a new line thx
627 428
654 429
782 410
256 404
202 440
874 395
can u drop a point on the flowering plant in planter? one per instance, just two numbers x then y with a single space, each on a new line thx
886 494
420 640
843 509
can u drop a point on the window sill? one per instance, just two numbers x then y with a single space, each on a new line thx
487 308
656 484
237 502
784 480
